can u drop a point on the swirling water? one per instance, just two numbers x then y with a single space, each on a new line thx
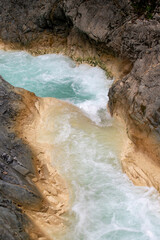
105 205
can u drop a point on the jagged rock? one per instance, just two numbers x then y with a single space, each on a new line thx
20 194
22 20
12 221
15 163
137 97
122 26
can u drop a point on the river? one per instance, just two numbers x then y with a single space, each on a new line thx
105 205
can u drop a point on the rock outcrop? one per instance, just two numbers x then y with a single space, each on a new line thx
22 21
119 25
15 166
31 189
136 100
130 30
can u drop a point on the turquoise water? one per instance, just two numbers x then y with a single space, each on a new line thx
105 204
57 76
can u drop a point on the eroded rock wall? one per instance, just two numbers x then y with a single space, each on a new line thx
22 21
16 165
136 100
33 195
119 25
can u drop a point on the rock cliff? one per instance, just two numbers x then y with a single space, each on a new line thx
15 166
33 195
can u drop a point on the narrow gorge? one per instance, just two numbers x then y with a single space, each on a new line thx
65 163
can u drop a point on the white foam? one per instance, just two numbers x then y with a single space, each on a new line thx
94 82
106 205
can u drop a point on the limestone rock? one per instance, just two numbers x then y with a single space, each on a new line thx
14 188
137 97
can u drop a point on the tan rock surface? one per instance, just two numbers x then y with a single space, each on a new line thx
136 162
53 188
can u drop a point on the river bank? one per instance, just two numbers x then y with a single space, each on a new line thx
100 196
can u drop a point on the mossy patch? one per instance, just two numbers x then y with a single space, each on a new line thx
93 61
